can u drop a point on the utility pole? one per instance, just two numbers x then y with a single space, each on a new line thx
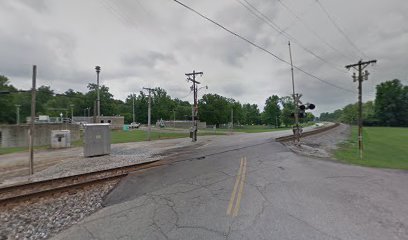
133 106
31 132
174 118
296 98
360 66
149 112
72 112
194 87
18 114
276 121
98 100
232 120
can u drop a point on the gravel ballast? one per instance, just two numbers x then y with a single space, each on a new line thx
44 217
323 144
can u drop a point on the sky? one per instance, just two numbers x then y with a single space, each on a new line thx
153 43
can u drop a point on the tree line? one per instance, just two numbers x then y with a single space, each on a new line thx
213 108
388 109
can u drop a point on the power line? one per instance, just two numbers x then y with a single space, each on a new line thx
311 30
251 8
339 29
261 48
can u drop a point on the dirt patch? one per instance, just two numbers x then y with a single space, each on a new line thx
321 145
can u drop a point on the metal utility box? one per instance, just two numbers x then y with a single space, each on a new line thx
60 138
97 139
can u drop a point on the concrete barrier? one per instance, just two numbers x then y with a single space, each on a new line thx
17 135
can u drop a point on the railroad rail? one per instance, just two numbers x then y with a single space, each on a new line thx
308 133
23 191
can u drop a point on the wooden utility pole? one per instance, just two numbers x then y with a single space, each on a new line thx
72 113
133 106
149 112
232 120
195 107
174 118
31 132
360 66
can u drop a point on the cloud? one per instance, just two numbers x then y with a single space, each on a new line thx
154 43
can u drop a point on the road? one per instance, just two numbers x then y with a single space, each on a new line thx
248 186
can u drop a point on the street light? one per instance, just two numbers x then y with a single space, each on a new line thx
98 100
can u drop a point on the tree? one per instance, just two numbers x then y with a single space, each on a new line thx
7 101
214 109
391 103
162 105
251 114
287 111
272 111
350 114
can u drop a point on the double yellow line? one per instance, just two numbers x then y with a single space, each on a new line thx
236 194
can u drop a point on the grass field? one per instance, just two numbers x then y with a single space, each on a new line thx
384 147
258 129
261 128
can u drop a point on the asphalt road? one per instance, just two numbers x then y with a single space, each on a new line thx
250 187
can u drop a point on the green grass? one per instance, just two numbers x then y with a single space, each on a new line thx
140 135
261 128
384 147
18 149
258 129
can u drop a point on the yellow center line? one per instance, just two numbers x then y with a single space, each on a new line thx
231 202
241 189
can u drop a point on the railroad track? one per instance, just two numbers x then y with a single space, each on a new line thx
308 133
14 194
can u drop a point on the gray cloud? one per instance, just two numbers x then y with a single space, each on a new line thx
153 43
148 59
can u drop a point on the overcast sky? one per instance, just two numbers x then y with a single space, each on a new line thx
153 43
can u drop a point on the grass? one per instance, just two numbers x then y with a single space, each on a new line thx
140 135
384 147
261 128
19 149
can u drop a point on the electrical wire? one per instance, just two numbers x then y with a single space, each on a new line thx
261 48
339 29
312 31
251 8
